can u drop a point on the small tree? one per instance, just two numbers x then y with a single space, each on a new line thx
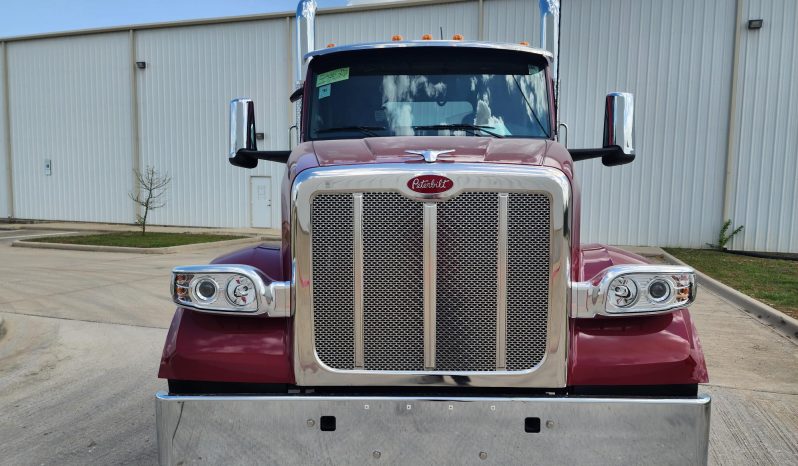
149 192
724 236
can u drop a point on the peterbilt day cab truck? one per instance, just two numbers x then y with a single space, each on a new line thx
431 301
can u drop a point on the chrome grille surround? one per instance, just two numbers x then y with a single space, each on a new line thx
526 365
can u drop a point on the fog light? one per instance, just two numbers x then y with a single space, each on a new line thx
658 290
206 289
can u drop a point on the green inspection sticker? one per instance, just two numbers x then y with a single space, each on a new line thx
324 91
341 74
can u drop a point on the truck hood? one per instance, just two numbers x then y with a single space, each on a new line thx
466 149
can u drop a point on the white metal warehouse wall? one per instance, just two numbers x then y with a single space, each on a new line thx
183 95
70 103
71 100
764 169
676 58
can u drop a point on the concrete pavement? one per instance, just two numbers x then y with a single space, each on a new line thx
84 333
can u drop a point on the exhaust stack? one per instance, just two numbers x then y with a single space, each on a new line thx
551 8
305 35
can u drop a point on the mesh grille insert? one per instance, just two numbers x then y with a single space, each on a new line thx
333 280
466 281
393 294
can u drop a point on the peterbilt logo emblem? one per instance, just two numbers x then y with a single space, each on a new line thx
430 184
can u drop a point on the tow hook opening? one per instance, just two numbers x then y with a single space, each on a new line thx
327 423
532 425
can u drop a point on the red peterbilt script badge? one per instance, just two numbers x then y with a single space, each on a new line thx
430 184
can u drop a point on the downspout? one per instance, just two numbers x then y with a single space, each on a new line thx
728 177
7 113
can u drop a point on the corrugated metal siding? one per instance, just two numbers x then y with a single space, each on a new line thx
676 57
512 21
765 156
191 75
4 213
409 22
70 102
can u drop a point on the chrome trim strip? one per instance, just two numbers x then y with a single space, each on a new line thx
609 430
431 43
357 235
551 372
430 282
501 285
274 298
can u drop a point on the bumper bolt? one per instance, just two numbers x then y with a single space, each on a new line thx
483 455
549 424
376 454
311 423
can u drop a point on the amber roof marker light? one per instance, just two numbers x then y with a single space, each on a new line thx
457 37
396 38
426 37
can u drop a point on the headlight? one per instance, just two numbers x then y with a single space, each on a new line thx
229 289
635 290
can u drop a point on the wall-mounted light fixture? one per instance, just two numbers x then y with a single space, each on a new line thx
755 23
141 65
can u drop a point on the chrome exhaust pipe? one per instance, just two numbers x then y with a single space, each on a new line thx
305 36
551 8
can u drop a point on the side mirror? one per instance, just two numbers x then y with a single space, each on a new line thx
618 144
243 146
242 133
619 123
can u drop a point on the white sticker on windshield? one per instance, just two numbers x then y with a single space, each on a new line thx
324 91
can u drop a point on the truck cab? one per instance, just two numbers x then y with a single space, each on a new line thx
431 300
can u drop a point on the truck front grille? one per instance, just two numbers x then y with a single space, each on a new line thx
470 251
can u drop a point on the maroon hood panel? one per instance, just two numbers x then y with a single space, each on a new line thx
466 149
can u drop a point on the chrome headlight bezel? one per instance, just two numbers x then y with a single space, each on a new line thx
270 298
598 295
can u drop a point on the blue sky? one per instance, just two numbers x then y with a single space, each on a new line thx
23 17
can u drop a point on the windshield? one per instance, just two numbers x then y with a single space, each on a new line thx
428 91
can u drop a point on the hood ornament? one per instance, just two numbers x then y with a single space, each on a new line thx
429 155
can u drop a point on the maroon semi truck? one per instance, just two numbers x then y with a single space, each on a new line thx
430 300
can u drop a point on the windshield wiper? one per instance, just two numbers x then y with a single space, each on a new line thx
464 127
367 130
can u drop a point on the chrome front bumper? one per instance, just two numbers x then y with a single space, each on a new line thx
290 429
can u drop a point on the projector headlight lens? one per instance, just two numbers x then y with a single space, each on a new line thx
206 290
658 290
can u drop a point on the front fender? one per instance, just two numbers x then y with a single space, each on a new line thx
645 350
207 347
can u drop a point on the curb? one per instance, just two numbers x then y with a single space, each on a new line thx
166 250
773 318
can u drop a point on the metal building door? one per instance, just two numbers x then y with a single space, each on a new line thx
260 201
